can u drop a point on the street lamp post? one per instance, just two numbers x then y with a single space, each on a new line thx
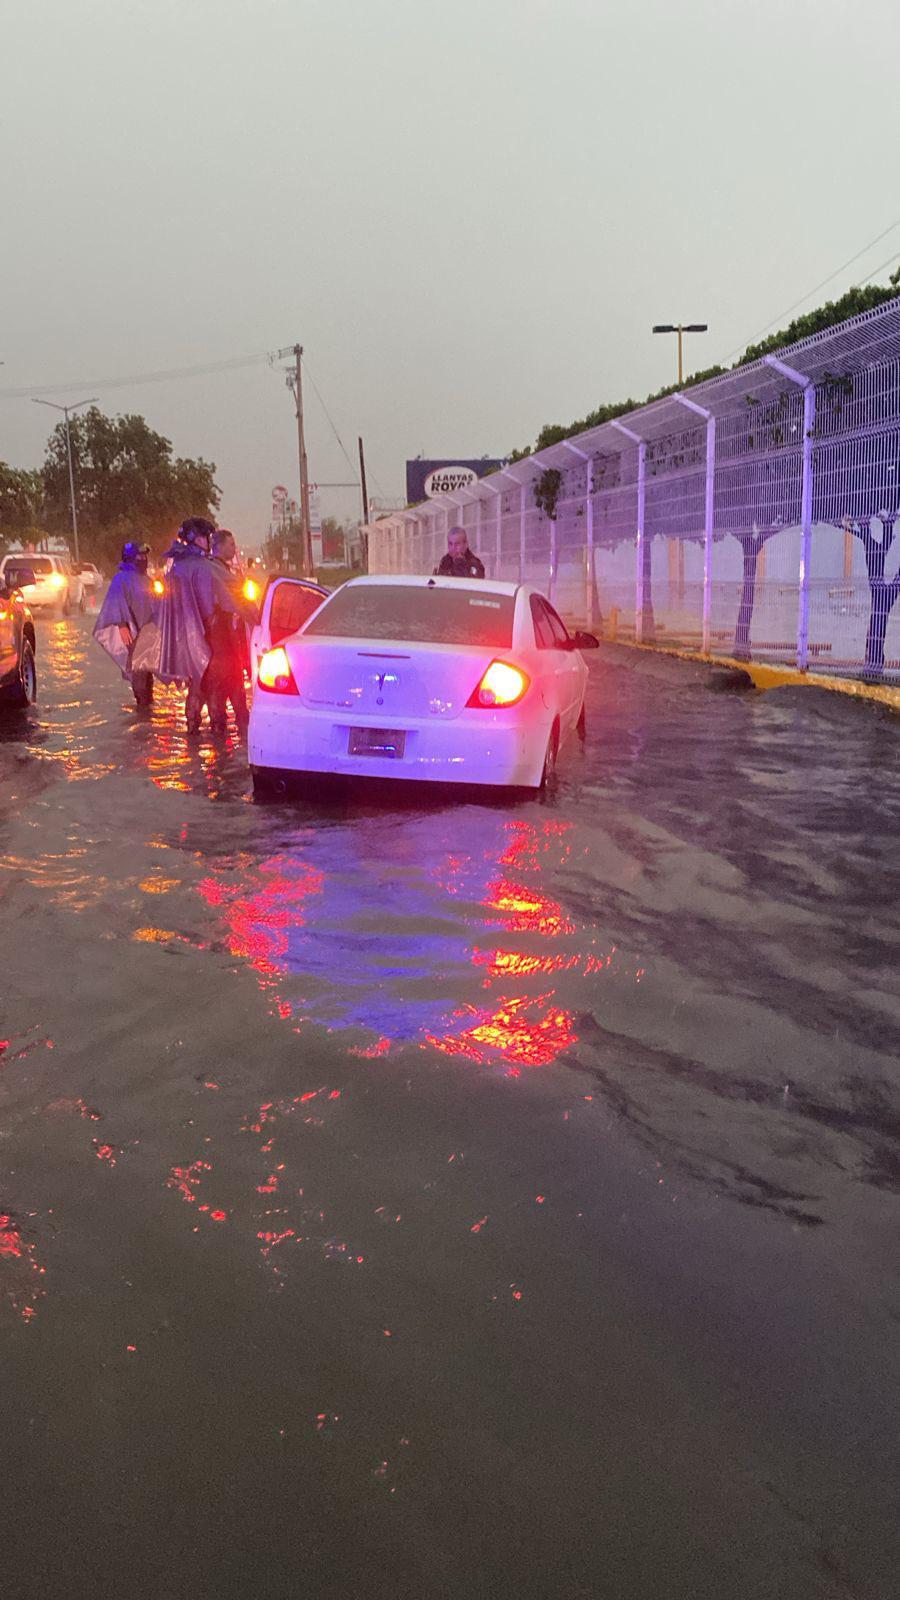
681 328
65 410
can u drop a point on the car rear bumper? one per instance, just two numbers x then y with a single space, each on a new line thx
499 749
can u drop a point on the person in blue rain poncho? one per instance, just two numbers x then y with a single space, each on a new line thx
127 626
184 649
197 595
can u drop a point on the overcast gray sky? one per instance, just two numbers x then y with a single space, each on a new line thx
469 213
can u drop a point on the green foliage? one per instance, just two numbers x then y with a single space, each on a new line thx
127 481
826 316
21 500
546 492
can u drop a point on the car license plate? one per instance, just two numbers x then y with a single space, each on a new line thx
386 742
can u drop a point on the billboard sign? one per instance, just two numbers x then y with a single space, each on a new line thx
427 479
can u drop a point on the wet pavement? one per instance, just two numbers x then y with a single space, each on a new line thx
447 1199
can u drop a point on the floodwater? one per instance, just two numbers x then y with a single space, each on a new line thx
419 1200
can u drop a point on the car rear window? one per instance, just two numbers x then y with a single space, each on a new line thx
40 565
418 615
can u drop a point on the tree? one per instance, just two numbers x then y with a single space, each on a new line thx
126 479
883 594
21 501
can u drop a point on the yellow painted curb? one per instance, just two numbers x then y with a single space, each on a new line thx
768 676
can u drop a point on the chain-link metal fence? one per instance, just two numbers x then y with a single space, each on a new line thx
749 516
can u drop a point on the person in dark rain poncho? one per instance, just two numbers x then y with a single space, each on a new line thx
184 648
127 625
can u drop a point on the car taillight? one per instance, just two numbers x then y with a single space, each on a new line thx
275 673
501 685
158 586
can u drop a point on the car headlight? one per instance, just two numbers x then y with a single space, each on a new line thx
57 580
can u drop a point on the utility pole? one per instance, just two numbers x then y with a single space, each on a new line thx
294 381
65 410
306 560
362 480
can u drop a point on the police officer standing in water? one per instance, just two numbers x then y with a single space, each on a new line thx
460 561
226 631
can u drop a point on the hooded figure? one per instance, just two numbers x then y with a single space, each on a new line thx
197 595
127 627
184 651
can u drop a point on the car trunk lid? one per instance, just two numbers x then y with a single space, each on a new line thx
383 680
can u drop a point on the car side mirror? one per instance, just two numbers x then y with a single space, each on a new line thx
585 641
17 578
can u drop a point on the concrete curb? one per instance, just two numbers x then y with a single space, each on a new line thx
767 676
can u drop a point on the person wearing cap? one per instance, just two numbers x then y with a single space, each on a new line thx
460 561
184 648
126 627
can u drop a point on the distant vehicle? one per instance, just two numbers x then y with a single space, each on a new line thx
91 577
441 680
18 675
55 584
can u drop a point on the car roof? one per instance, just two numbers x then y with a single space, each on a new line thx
423 580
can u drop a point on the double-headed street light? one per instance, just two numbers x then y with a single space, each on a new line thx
65 410
681 328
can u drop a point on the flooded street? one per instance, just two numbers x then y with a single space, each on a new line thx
447 1200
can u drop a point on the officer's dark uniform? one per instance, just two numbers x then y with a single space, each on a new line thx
467 566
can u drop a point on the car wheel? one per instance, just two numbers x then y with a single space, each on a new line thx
581 724
66 605
551 756
24 691
265 786
82 603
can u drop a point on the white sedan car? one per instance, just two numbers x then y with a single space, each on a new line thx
443 680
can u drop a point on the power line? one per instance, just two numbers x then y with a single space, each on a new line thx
340 441
889 263
203 369
810 292
328 415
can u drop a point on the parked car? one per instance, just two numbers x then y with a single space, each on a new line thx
18 675
92 579
442 680
55 585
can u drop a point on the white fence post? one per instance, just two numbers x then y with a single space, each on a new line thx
809 419
588 531
709 510
639 531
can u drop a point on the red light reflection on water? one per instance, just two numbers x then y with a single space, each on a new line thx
526 1030
20 1270
524 909
259 924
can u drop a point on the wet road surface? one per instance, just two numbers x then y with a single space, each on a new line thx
452 1200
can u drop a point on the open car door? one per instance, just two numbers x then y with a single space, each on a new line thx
287 603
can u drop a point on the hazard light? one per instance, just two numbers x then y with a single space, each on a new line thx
501 685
